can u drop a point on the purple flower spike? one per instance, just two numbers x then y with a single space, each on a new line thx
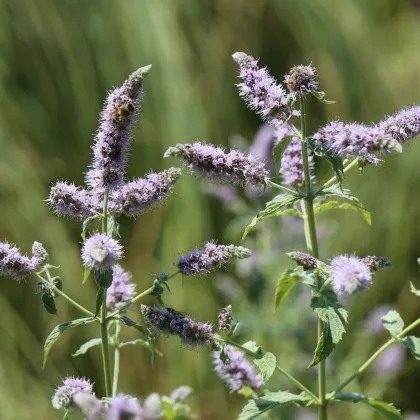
203 261
113 137
101 251
404 125
121 291
68 200
168 321
292 161
349 275
238 372
124 407
356 140
212 162
141 195
260 91
15 264
63 396
300 80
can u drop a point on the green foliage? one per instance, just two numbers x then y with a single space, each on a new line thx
332 158
321 97
278 151
413 344
100 297
324 347
57 332
103 278
266 365
87 346
387 410
393 322
49 302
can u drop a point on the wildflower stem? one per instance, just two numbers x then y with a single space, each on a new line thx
331 181
365 365
281 187
116 360
312 245
104 320
278 368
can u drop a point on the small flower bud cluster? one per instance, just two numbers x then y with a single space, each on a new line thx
100 251
113 137
39 253
68 200
238 372
139 196
376 263
212 162
63 396
225 319
307 261
356 140
260 91
350 275
170 322
205 260
300 80
404 125
15 264
121 291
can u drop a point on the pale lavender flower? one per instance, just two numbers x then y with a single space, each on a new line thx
113 137
152 409
181 393
39 253
356 140
300 80
390 361
238 372
203 261
212 162
100 251
292 162
15 264
121 291
63 396
374 319
349 275
412 416
141 195
403 125
260 91
68 200
124 407
225 319
91 407
168 321
307 261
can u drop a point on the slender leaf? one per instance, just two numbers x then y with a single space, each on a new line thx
130 323
86 274
332 205
324 347
278 151
100 297
136 342
413 344
266 365
393 322
49 303
285 284
59 330
321 97
87 346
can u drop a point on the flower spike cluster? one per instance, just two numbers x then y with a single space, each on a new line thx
260 91
225 319
63 396
213 162
238 372
212 256
300 80
170 322
404 125
15 264
139 196
113 137
100 251
121 291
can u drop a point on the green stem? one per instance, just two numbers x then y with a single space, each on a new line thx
312 245
281 187
278 368
365 365
104 321
74 303
331 181
116 360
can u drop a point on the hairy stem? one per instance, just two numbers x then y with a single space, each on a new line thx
365 365
116 360
312 245
104 321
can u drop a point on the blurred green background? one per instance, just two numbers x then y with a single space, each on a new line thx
59 58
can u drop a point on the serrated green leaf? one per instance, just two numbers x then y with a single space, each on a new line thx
279 149
414 290
49 303
59 330
256 407
393 322
387 410
86 274
103 278
335 190
332 158
285 284
331 312
253 346
130 323
271 208
100 296
332 205
87 346
324 347
413 344
266 365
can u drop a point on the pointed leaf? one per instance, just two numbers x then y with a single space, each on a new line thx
331 157
49 303
87 346
413 344
100 297
59 330
414 290
266 365
103 278
332 205
324 347
393 322
130 323
86 274
285 285
279 149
